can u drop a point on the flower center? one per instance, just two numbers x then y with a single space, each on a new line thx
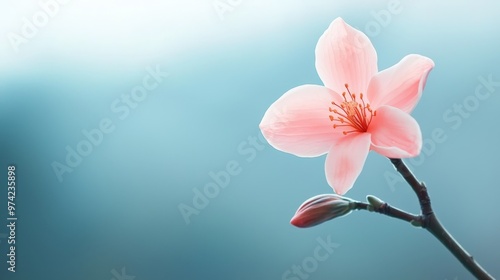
355 115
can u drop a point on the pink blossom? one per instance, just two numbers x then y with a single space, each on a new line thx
357 110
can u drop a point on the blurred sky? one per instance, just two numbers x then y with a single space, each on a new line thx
119 205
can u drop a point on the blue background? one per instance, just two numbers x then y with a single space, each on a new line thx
119 208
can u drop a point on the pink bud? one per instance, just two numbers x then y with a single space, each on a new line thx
321 208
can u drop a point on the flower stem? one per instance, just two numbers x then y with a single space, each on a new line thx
388 210
432 224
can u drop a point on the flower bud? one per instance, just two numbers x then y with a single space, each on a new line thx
321 208
375 201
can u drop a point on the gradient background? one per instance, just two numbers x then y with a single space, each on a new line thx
119 207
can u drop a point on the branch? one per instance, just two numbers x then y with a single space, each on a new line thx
418 187
432 224
386 209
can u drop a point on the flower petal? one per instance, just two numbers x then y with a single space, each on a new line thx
395 134
401 85
345 55
345 161
298 121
